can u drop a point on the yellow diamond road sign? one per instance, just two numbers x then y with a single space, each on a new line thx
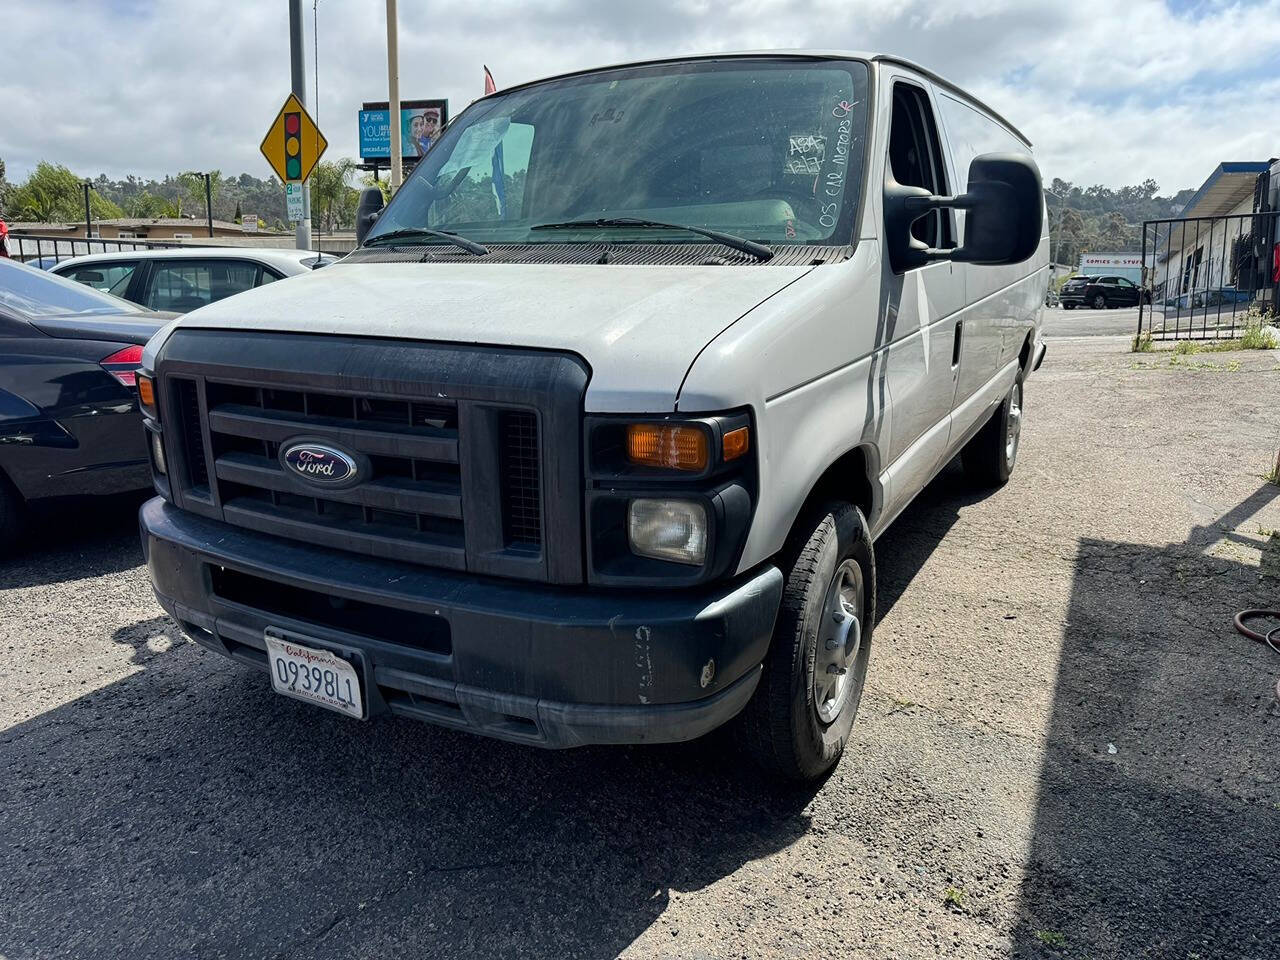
293 144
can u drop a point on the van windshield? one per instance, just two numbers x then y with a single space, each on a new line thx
766 149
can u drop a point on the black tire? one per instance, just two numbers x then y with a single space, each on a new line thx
782 727
1068 306
12 518
1099 302
987 458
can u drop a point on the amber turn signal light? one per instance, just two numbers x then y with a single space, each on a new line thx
146 393
735 444
667 446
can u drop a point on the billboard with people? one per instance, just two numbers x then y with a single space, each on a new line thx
420 124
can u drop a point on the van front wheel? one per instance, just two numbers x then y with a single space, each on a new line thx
989 458
798 722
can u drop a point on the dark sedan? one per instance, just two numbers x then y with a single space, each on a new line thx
69 421
1101 292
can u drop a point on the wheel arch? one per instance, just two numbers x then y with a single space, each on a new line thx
852 477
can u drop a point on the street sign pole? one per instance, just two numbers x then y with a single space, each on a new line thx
393 92
300 91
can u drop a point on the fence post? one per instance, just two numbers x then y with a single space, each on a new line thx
88 221
1147 283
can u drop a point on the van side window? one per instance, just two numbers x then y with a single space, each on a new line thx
915 158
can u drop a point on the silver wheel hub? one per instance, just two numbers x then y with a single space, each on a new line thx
1013 431
839 640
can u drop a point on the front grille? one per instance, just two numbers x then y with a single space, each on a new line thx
447 441
521 488
409 507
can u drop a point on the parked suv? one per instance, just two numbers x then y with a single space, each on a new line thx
590 440
1101 293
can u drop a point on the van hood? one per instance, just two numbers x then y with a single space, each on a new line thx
638 327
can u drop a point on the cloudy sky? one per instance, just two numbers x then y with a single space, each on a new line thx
1110 91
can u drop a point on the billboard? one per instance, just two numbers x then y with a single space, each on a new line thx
420 124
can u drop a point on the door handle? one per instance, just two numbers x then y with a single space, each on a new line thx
955 346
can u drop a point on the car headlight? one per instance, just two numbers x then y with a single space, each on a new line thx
668 529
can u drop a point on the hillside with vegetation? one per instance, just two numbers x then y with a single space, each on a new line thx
1097 218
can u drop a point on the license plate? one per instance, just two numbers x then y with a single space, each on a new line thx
315 675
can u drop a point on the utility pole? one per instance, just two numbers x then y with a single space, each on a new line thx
393 93
88 221
298 63
208 202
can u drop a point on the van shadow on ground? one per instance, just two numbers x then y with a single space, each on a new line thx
1170 847
186 810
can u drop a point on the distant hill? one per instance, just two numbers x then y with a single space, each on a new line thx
1088 219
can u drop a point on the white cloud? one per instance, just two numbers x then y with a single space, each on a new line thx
1110 92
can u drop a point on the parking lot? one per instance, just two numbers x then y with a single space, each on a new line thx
1065 749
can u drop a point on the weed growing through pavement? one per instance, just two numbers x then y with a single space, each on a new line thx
1258 336
1051 938
954 897
1142 342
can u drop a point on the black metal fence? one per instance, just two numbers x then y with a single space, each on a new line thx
45 251
1206 278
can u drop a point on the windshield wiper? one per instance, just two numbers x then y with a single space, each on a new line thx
757 250
418 232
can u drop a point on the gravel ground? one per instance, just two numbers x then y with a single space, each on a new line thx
1064 750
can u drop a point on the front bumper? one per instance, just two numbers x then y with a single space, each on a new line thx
548 666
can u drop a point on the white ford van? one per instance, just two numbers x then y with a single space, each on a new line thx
591 439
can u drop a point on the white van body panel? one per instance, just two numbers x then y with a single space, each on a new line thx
804 361
637 327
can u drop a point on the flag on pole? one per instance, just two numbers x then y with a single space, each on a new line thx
499 169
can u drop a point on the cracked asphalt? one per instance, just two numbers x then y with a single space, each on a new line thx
1064 751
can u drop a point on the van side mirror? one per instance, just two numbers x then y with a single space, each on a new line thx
1004 207
367 211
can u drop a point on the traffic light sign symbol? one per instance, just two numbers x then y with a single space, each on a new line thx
293 146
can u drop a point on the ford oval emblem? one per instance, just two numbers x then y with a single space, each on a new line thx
320 463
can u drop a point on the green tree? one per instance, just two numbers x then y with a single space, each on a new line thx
147 205
191 189
369 181
333 201
52 192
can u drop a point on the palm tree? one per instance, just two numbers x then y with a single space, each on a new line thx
330 191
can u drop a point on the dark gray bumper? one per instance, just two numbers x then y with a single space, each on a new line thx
548 666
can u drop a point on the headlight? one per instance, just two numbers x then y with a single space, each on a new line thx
668 530
157 452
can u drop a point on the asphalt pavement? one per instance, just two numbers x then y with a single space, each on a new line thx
1065 750
1080 322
